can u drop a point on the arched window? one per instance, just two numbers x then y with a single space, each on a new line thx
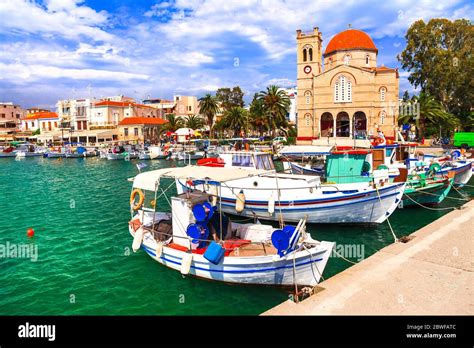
307 119
305 58
367 59
347 59
310 50
382 117
307 96
383 91
343 90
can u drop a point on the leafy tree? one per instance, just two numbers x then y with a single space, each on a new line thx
439 57
193 122
209 107
235 119
230 97
276 104
432 115
174 123
258 119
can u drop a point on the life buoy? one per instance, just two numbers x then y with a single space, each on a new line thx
379 140
141 199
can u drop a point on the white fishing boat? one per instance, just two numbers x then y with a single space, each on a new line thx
29 150
190 155
197 239
274 196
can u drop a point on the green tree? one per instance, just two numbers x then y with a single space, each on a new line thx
230 97
258 119
235 119
276 104
174 123
432 114
439 57
193 122
209 107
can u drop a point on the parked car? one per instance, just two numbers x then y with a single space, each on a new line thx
464 139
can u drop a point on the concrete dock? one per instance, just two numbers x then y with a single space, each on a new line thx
432 274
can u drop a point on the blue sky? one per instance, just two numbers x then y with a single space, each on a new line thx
59 49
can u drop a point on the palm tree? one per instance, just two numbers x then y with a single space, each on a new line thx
276 104
257 117
236 119
174 123
193 122
209 107
431 111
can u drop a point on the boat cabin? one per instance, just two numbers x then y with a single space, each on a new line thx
240 159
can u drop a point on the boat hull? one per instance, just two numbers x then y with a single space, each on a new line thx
367 205
463 173
431 194
260 270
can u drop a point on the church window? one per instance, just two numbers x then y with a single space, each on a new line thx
310 51
308 120
343 90
382 117
304 55
367 59
383 91
347 59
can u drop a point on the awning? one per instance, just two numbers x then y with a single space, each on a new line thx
149 180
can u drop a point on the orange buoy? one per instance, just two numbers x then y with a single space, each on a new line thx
30 232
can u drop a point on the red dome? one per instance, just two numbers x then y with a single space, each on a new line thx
350 39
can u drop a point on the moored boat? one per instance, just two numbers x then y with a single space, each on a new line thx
198 239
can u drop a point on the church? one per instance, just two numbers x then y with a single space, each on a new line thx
342 95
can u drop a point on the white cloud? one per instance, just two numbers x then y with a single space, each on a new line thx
66 19
37 72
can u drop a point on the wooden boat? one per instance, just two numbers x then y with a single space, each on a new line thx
197 239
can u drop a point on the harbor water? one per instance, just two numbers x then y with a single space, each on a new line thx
79 210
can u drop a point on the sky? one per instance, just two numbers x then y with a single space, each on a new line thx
64 49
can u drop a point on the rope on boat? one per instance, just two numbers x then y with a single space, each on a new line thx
460 193
342 257
429 208
434 194
388 221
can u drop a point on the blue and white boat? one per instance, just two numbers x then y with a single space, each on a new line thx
197 239
275 196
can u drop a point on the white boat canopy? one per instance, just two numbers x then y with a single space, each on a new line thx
308 150
150 180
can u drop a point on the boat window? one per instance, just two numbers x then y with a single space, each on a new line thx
264 162
268 162
241 160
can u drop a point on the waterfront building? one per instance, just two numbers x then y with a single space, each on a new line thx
140 129
347 97
10 120
185 105
164 107
45 122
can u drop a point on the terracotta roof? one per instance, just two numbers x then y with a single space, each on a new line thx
142 120
113 103
350 39
40 114
121 104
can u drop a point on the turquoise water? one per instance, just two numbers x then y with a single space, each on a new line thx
79 211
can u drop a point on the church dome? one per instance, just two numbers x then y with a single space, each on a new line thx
351 39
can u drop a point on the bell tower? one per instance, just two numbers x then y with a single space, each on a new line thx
308 61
